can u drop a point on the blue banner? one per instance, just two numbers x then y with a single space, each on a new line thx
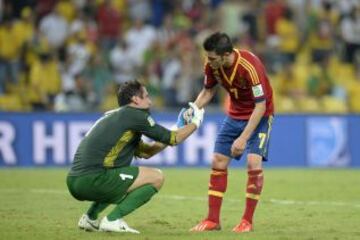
50 139
327 142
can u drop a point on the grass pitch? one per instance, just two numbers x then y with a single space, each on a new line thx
295 204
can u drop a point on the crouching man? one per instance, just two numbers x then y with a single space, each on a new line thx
101 171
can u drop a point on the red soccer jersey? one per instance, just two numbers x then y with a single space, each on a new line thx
245 81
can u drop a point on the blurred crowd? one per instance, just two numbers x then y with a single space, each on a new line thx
70 55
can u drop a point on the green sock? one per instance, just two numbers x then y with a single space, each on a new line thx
95 209
132 201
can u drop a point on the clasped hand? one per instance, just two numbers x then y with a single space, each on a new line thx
191 115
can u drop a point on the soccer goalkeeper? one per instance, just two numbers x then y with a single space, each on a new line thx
247 126
101 170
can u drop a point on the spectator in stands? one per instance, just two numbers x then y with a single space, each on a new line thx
24 27
84 22
320 82
274 10
109 23
81 99
123 62
44 7
100 77
288 34
9 54
78 54
170 77
66 9
289 84
45 82
350 33
139 9
139 38
322 25
166 34
55 29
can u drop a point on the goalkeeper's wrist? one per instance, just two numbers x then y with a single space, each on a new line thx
196 122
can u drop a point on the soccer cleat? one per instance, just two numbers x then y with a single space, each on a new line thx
243 226
118 225
206 225
87 224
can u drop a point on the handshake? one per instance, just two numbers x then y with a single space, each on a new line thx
191 115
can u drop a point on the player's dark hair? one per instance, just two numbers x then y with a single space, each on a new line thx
128 90
218 42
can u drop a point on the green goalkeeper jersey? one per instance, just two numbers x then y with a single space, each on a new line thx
115 139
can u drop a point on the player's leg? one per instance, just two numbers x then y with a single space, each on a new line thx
89 221
217 188
217 185
88 224
254 187
95 209
257 148
218 177
146 184
79 187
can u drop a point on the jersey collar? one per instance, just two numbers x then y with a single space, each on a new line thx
234 67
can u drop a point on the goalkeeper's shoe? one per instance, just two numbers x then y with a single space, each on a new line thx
87 224
243 226
206 225
118 225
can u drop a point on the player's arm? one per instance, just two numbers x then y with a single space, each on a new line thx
201 101
205 96
164 137
257 114
147 150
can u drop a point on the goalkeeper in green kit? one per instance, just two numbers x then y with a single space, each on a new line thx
101 171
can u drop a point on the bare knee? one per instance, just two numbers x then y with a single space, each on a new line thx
254 161
220 161
158 178
152 176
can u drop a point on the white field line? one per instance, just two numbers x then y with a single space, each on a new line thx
193 198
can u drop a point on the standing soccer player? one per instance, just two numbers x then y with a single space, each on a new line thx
247 125
101 170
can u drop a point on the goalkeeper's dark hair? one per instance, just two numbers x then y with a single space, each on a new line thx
128 90
218 42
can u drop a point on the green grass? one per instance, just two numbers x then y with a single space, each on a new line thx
295 204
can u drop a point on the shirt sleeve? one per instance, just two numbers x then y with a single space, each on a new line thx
147 126
256 75
209 78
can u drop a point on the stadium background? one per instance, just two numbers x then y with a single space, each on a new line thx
62 56
61 62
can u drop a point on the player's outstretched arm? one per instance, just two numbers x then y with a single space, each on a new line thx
197 117
147 150
205 97
201 101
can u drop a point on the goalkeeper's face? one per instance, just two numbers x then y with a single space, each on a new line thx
215 61
144 100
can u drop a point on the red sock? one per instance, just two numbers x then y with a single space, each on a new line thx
253 191
217 188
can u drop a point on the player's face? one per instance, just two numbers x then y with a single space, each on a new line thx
215 61
144 101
